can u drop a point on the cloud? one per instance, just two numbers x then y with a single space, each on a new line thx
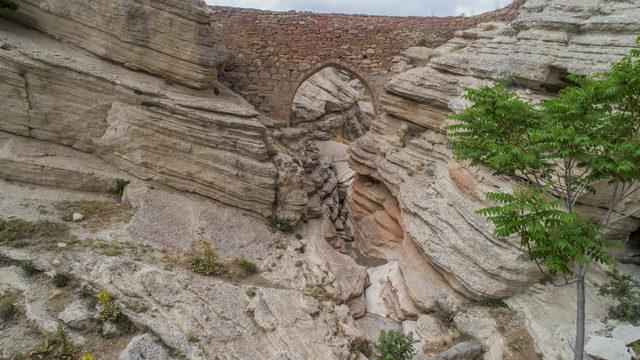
373 7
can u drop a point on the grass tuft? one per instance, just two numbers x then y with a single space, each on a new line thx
14 230
7 309
205 261
60 280
281 225
248 267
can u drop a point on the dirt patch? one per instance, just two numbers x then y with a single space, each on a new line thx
97 214
519 343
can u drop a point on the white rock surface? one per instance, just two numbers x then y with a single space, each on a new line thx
387 296
144 347
330 103
603 348
76 315
484 328
626 332
173 39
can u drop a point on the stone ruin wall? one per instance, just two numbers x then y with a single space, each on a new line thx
272 53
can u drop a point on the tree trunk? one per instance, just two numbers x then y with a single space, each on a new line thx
579 346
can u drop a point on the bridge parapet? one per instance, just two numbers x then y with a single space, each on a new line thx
272 53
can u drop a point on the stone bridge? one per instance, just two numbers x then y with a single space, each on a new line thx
272 53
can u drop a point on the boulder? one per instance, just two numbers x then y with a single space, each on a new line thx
143 347
468 350
603 348
387 296
76 315
626 332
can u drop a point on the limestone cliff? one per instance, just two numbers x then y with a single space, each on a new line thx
148 122
406 147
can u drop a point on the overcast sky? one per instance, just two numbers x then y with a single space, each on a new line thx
373 7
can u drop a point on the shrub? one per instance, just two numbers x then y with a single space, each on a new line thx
88 357
55 346
118 187
277 224
394 345
8 4
206 261
250 292
18 229
247 266
192 337
7 309
626 292
28 267
493 303
109 311
60 280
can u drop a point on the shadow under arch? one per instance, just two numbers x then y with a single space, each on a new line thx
368 84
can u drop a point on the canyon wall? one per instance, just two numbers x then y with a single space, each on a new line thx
123 90
405 150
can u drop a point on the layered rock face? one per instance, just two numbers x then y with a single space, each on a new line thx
405 149
204 141
332 103
170 38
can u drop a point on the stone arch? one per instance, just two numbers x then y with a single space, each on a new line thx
369 84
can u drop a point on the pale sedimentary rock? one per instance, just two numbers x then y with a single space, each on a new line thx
405 149
174 39
198 141
332 103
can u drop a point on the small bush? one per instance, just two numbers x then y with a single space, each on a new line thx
206 261
493 303
60 280
247 266
55 346
18 229
7 309
271 151
250 292
8 4
277 224
626 292
28 267
192 338
394 345
88 357
109 311
118 187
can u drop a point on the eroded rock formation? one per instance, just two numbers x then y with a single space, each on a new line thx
204 141
406 147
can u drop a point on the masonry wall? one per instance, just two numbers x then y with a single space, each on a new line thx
272 53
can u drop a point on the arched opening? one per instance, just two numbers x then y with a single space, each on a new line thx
335 106
333 102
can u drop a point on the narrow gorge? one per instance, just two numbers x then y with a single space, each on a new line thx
248 184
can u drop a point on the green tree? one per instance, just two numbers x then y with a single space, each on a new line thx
8 4
563 148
